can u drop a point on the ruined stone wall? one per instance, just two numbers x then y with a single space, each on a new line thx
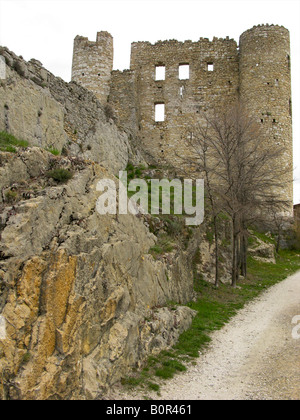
212 80
265 86
93 63
123 98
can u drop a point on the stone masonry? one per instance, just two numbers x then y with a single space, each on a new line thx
217 73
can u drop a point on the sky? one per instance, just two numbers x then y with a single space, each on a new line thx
45 30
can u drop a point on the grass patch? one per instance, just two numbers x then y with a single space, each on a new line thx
26 358
9 143
54 151
164 245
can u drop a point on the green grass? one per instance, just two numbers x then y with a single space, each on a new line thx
214 308
9 143
54 151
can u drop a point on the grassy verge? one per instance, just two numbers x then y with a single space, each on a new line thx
8 142
214 308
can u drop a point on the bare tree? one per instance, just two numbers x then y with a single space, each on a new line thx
199 145
241 172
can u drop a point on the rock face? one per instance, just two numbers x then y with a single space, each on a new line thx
262 251
50 113
83 300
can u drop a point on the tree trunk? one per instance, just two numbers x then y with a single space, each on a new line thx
244 248
234 254
217 252
278 241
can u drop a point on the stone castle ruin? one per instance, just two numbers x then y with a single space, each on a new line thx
170 83
85 297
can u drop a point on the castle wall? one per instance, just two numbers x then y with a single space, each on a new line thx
123 98
185 99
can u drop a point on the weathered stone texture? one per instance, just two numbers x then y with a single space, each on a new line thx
84 301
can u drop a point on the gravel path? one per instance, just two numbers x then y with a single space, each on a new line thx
253 357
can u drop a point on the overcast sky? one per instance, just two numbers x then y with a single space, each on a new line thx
45 30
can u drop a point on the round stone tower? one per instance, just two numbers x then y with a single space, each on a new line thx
265 88
92 64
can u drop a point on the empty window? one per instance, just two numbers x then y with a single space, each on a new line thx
159 112
184 71
210 66
181 90
160 73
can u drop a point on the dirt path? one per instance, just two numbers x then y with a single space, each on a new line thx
252 357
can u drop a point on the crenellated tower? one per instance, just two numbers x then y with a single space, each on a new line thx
93 63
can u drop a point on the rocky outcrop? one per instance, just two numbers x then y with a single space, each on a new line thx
84 301
50 113
261 250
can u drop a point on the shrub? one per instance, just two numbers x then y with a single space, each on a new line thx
60 175
11 196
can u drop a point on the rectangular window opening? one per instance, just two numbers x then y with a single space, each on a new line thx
210 66
159 112
160 72
184 71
